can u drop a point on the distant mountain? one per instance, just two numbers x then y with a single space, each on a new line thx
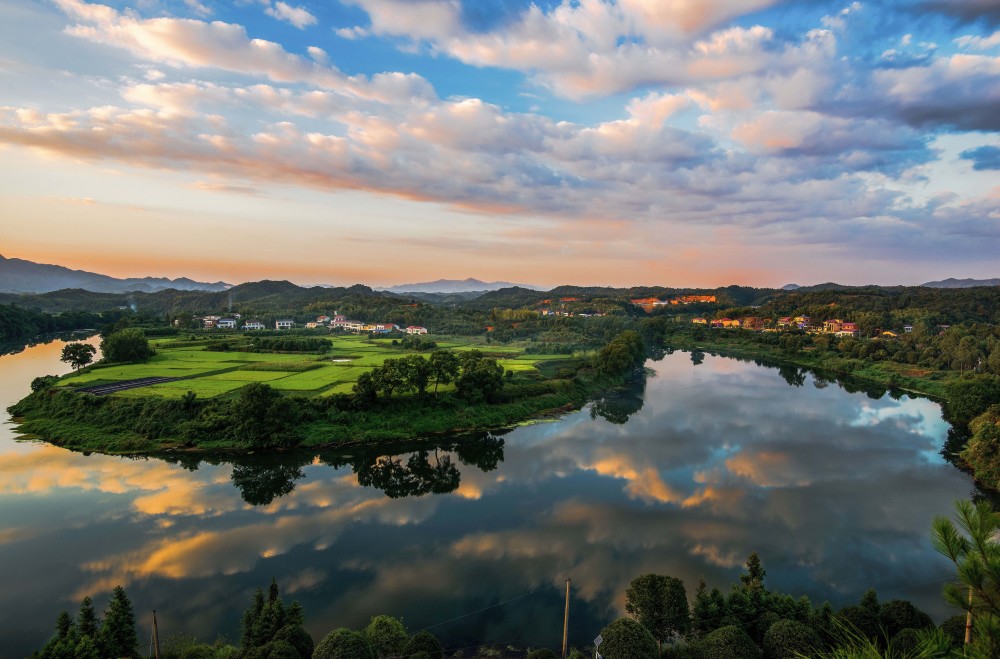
454 286
951 282
790 287
20 276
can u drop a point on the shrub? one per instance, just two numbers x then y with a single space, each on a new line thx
790 638
343 644
387 635
626 639
905 643
423 642
897 615
542 653
729 642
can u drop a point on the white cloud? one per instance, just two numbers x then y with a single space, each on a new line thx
297 16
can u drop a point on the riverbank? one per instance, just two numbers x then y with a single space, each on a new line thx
890 375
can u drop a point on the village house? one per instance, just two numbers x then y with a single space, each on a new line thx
415 329
284 324
730 323
785 321
210 321
699 321
802 322
833 326
691 299
253 325
226 323
322 319
312 325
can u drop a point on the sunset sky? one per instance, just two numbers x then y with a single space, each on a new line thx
677 143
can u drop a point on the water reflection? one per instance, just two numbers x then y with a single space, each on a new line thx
684 476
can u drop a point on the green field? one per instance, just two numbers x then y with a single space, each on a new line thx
209 374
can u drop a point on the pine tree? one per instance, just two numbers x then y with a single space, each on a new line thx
87 623
118 637
249 624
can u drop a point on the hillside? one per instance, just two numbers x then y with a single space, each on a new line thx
21 276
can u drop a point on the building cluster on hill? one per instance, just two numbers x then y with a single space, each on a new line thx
650 303
834 326
337 321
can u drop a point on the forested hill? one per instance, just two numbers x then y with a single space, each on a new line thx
892 305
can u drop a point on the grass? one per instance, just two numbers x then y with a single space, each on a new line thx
209 373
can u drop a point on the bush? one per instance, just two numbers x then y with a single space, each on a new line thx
275 650
954 629
343 644
626 639
423 642
298 638
542 653
897 615
387 635
790 638
126 345
905 642
729 642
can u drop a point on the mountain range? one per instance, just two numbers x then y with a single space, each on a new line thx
21 276
454 286
961 283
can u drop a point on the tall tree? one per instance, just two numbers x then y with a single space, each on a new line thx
87 623
78 355
659 603
117 636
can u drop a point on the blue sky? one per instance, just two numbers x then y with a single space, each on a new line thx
695 142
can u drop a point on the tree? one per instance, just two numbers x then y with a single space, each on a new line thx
444 367
973 548
261 417
344 644
787 639
659 603
126 345
897 615
709 609
480 380
387 635
423 641
87 623
78 355
983 448
729 642
626 639
418 372
117 636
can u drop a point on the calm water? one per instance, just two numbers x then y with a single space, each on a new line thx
703 465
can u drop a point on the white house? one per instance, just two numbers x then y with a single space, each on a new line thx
313 325
253 325
284 324
415 329
226 323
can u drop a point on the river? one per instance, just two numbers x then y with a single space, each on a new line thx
684 476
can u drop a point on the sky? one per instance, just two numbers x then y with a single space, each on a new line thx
592 142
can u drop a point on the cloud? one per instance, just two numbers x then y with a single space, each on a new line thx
590 48
959 91
966 11
983 157
297 16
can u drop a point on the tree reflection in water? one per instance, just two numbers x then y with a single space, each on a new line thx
430 470
617 406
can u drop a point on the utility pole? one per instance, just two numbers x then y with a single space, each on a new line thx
156 638
566 620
